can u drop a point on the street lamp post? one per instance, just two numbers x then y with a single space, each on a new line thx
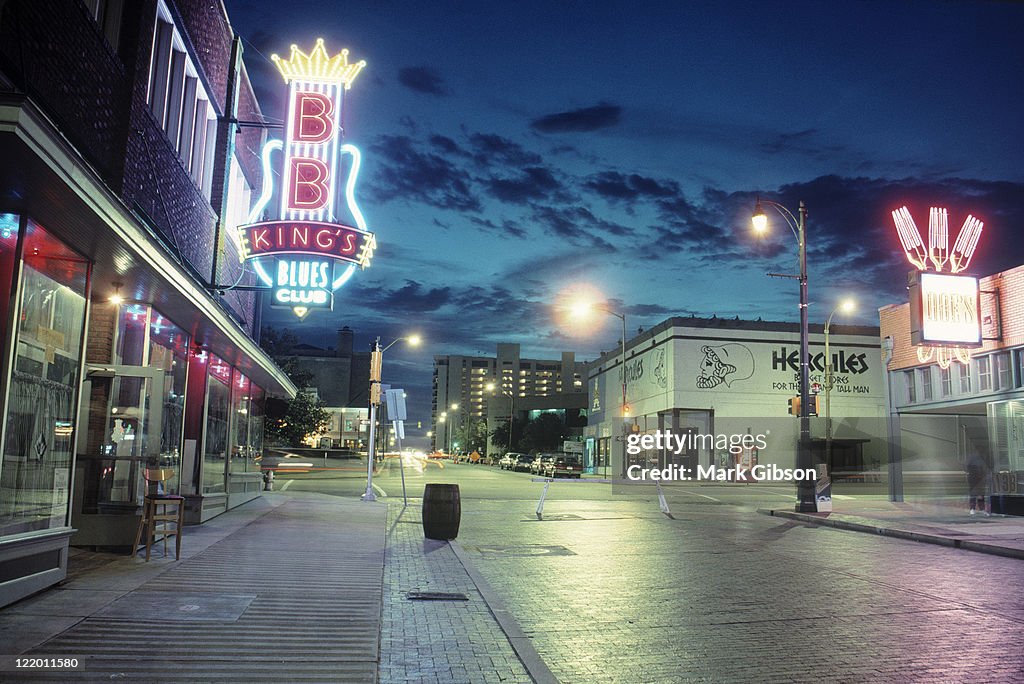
376 364
511 411
451 429
580 310
845 306
805 488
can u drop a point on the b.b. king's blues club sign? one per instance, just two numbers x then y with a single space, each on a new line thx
306 253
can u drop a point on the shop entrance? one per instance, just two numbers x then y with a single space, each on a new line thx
120 437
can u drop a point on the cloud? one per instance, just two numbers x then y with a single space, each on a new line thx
495 150
408 173
599 116
577 225
412 297
533 183
615 186
507 228
423 80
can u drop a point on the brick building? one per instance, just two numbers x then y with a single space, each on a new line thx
127 164
942 413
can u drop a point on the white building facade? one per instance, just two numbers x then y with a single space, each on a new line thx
730 378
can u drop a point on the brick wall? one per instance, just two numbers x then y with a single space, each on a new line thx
156 184
155 180
54 52
250 140
206 25
1002 300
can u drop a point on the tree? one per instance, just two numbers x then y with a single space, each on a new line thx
546 432
304 415
499 435
279 345
471 435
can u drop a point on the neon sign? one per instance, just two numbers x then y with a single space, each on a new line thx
305 283
307 224
945 309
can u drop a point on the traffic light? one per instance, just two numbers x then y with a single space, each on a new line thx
375 393
794 405
376 360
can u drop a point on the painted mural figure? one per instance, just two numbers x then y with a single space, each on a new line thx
660 374
726 364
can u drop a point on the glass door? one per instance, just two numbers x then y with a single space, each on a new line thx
122 410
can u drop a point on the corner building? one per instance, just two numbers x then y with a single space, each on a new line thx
942 415
730 377
124 174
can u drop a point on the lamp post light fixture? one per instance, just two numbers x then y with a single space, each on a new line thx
490 387
449 426
580 310
376 363
797 224
845 306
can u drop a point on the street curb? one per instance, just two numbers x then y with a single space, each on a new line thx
966 545
521 643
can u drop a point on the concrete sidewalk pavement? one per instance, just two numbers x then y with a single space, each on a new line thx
945 525
287 588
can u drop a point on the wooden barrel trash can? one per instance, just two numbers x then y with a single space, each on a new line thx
442 511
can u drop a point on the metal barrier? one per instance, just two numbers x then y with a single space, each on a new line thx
662 504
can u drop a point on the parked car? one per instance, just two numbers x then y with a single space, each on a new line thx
522 462
540 463
564 465
508 461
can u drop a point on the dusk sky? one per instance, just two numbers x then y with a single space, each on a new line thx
514 150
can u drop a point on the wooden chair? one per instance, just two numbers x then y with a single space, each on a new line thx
156 521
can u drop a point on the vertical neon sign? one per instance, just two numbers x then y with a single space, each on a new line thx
307 224
944 307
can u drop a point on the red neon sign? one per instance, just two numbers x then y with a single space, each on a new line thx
307 237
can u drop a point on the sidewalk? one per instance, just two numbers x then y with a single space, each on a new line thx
1000 535
287 588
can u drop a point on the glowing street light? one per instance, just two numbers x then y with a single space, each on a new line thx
846 306
805 489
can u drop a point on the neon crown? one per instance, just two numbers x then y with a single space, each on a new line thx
318 66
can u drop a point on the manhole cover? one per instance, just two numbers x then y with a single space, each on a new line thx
169 605
526 550
435 596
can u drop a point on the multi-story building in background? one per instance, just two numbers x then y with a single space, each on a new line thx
125 342
464 381
340 377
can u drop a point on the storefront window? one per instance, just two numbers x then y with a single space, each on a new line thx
35 470
926 383
8 243
1004 373
911 389
146 338
965 378
257 411
215 442
241 453
985 373
946 381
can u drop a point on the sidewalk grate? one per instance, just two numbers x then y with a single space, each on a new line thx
435 596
